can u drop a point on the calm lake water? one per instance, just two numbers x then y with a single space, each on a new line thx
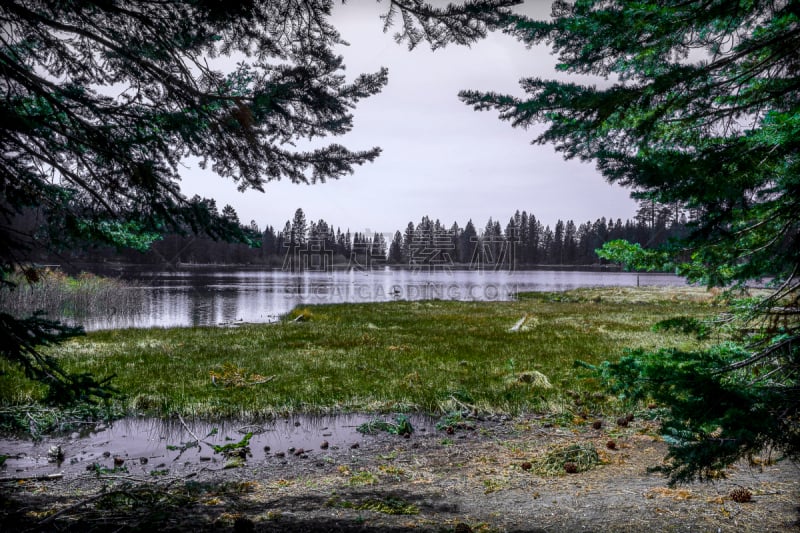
202 298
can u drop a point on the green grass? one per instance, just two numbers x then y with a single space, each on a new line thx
432 356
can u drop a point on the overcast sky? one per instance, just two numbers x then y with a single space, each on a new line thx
440 158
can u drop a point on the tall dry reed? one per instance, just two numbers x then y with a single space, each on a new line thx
62 296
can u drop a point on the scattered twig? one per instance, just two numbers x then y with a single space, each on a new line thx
45 477
254 429
72 507
183 423
259 382
520 323
471 408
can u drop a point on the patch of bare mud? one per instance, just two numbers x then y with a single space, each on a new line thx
484 476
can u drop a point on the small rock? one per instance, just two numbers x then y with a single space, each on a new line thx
296 424
611 445
327 434
280 454
118 461
324 445
526 466
204 458
243 525
354 446
161 465
143 460
106 454
291 450
299 452
55 454
597 424
266 448
622 421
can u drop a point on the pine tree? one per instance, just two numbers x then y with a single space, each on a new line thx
557 247
396 249
468 242
101 102
299 228
703 111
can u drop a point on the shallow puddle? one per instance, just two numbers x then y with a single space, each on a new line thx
149 443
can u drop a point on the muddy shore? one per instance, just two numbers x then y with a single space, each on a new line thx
479 475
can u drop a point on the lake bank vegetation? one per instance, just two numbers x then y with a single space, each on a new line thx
427 356
68 297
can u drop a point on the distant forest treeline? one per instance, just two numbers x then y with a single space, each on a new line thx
303 244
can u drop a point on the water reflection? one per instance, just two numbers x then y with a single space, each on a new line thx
202 298
147 444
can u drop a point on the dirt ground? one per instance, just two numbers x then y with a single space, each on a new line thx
484 476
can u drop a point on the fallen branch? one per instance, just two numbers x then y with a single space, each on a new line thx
183 423
46 477
470 408
72 507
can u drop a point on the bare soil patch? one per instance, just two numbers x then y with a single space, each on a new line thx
484 476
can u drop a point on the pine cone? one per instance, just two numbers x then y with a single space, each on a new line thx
741 495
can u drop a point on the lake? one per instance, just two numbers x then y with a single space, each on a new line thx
207 297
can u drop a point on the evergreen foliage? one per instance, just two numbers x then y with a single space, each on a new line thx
102 101
699 107
522 241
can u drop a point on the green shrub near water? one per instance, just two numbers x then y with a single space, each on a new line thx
434 356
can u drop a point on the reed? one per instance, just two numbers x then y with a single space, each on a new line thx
69 298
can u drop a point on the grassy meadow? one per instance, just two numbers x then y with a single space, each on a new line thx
431 356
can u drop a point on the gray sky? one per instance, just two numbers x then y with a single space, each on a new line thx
440 158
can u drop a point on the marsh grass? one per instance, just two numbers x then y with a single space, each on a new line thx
431 356
62 296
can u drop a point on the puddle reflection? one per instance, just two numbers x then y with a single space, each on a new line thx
147 443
